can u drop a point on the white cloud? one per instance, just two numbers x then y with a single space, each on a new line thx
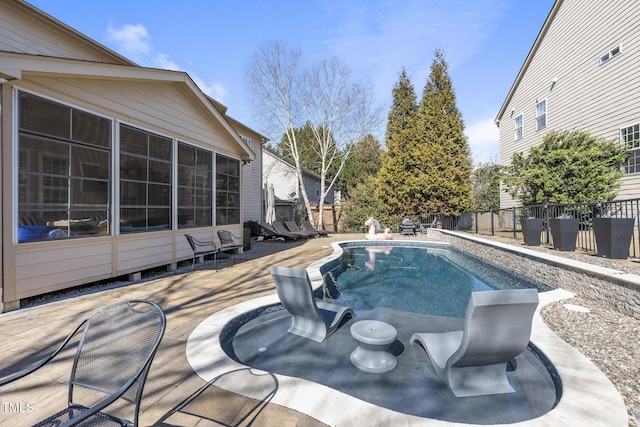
214 89
131 40
134 41
484 140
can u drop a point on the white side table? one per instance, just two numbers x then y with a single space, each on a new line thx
374 338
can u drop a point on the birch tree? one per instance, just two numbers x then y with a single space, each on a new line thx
286 95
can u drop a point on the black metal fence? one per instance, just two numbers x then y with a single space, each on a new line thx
507 222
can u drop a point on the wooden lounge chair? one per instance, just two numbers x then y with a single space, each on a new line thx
310 318
306 225
111 363
295 228
497 328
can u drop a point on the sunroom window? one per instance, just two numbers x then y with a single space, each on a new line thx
63 170
227 190
195 191
145 180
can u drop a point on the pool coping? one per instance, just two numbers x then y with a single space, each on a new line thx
588 397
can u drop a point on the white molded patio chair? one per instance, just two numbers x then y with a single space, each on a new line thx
497 328
310 318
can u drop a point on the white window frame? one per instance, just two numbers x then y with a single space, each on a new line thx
517 128
613 53
630 138
541 115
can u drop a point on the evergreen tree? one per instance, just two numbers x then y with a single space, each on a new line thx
486 187
441 182
397 163
363 164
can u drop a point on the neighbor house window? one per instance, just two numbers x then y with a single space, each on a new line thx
246 140
63 170
517 122
195 192
541 115
227 191
630 138
610 54
145 180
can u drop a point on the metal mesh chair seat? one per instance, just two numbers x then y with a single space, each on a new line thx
111 363
98 420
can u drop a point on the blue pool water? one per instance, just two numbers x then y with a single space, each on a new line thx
426 279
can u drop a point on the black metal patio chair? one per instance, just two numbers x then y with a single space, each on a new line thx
228 243
112 361
202 248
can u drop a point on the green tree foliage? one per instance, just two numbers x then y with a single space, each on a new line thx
362 203
568 167
486 187
397 163
307 146
362 165
428 166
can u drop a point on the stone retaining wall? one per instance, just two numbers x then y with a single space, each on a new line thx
617 289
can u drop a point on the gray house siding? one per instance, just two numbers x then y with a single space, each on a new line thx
581 93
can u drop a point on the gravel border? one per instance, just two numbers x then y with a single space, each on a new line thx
608 338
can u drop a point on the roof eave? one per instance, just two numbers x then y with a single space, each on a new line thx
525 65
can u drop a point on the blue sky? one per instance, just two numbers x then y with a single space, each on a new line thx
484 42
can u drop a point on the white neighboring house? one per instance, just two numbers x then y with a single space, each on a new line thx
581 74
281 172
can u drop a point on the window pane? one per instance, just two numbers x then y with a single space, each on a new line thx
159 147
133 140
91 129
159 195
89 163
133 168
44 117
89 192
133 193
159 172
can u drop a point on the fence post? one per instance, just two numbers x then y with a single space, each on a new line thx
492 226
476 221
546 221
514 223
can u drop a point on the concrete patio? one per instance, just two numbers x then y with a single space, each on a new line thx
174 394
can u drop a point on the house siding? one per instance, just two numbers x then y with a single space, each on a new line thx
23 31
587 96
39 55
46 266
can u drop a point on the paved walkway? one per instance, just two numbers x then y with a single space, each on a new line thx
174 394
187 298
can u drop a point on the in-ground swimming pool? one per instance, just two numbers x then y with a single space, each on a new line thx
260 340
427 278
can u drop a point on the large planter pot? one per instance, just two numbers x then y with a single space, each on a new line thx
564 232
613 236
531 229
